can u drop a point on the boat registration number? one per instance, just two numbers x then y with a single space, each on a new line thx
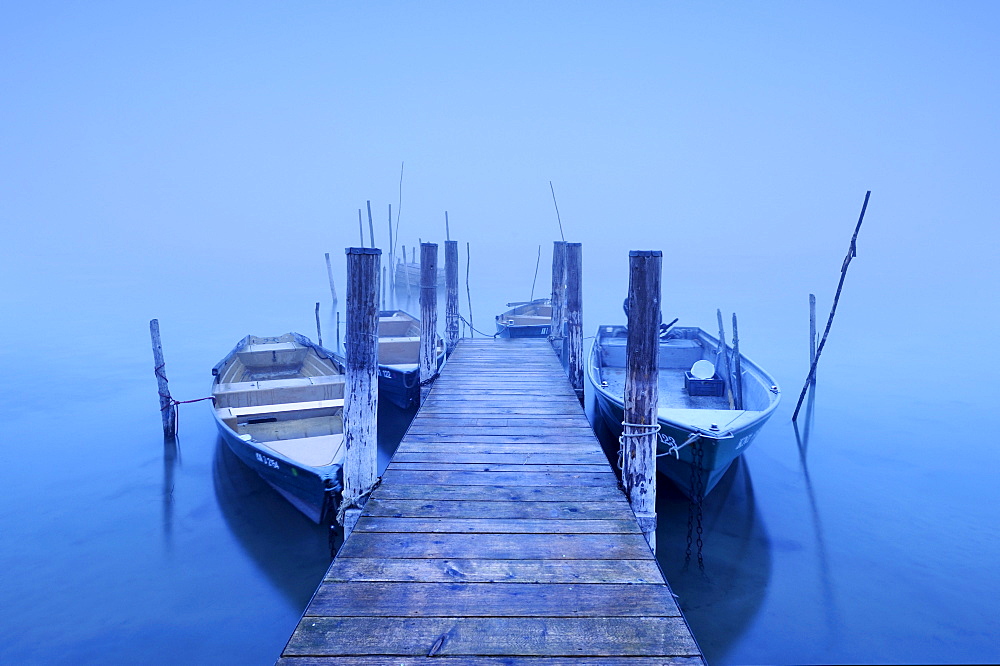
385 373
745 440
264 460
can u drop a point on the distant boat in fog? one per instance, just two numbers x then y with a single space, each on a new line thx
531 319
399 358
703 428
408 275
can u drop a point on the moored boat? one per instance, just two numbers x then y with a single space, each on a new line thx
399 358
703 427
408 276
532 319
279 405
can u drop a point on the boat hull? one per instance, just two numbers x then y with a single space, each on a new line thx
402 389
313 492
505 331
717 455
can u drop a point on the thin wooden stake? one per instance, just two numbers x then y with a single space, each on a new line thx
338 332
641 389
558 290
558 217
538 261
574 315
371 226
851 253
723 355
361 390
447 230
168 409
451 294
737 366
383 288
392 254
319 333
361 228
329 274
812 333
468 293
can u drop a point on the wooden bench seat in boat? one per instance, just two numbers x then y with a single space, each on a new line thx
527 320
313 451
276 391
396 350
272 354
231 416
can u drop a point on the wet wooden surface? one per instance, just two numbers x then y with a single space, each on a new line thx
498 536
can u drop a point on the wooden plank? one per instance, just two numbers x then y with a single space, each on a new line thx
470 660
482 478
498 510
443 428
602 467
595 572
399 599
500 493
566 637
492 525
496 546
498 438
588 457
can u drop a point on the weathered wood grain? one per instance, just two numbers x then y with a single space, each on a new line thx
595 572
495 525
499 535
566 637
405 599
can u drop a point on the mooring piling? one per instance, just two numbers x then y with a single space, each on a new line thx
451 294
640 427
574 315
361 391
558 289
428 314
168 409
468 292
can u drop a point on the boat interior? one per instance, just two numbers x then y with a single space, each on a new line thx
286 396
399 339
682 385
536 313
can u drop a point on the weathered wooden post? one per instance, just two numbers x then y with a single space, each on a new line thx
428 315
558 290
361 390
168 408
641 390
451 294
574 316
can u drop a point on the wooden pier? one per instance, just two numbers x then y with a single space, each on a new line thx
498 536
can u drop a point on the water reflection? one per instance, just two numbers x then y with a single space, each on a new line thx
171 460
720 603
289 548
827 592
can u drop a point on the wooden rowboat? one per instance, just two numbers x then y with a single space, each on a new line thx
701 432
526 320
399 358
279 404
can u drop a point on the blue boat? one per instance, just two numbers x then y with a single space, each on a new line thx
703 427
399 358
279 405
532 319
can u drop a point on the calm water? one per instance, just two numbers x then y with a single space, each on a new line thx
869 536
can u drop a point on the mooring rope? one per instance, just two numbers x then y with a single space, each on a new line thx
651 428
485 335
355 502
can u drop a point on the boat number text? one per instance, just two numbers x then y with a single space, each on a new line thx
270 462
385 373
745 440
